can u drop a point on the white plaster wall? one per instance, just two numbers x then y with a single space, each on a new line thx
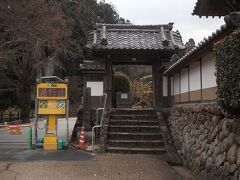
184 80
208 69
176 89
165 85
194 76
96 88
172 91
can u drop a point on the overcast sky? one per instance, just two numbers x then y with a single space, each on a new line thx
165 11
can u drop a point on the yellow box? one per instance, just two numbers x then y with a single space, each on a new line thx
50 138
50 146
50 142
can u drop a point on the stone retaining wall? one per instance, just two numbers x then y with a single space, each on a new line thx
207 139
103 133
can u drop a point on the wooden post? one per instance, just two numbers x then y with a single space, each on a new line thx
157 75
87 108
1 117
108 83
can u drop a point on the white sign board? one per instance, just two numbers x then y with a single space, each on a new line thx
96 88
124 96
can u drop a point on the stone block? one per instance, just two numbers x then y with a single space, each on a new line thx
225 128
231 138
233 168
238 156
220 159
232 154
209 164
217 110
225 145
216 120
226 168
238 139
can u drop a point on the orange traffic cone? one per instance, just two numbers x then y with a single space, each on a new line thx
81 142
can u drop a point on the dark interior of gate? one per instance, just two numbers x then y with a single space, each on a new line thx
132 86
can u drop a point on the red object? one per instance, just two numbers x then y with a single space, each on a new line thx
14 129
81 142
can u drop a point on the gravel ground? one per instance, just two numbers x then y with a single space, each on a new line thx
100 167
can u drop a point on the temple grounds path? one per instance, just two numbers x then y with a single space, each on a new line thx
84 166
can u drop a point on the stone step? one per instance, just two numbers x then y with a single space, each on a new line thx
135 135
150 122
130 117
133 111
135 143
134 131
120 149
134 128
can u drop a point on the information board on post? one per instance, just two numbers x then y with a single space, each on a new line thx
52 98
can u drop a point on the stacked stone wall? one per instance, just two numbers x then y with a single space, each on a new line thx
207 139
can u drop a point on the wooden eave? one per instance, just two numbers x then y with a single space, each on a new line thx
126 56
215 7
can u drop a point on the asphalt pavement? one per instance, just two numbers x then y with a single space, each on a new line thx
20 153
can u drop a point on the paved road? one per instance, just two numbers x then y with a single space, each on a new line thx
100 167
62 131
20 153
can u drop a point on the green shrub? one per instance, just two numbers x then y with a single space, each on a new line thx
228 72
147 79
121 82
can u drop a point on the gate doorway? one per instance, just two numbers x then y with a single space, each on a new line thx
132 90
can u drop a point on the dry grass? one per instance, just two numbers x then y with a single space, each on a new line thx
142 94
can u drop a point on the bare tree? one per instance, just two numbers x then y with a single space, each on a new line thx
33 34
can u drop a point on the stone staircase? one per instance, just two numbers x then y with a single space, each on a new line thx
134 131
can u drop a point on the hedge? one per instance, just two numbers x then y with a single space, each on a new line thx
121 82
228 72
147 79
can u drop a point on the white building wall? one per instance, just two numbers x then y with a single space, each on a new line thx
184 80
96 88
194 76
165 86
172 85
208 70
176 84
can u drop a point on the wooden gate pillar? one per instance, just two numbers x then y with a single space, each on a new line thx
108 83
157 79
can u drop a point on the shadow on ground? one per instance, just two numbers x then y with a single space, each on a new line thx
21 153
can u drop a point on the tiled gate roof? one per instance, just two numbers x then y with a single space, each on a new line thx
136 37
